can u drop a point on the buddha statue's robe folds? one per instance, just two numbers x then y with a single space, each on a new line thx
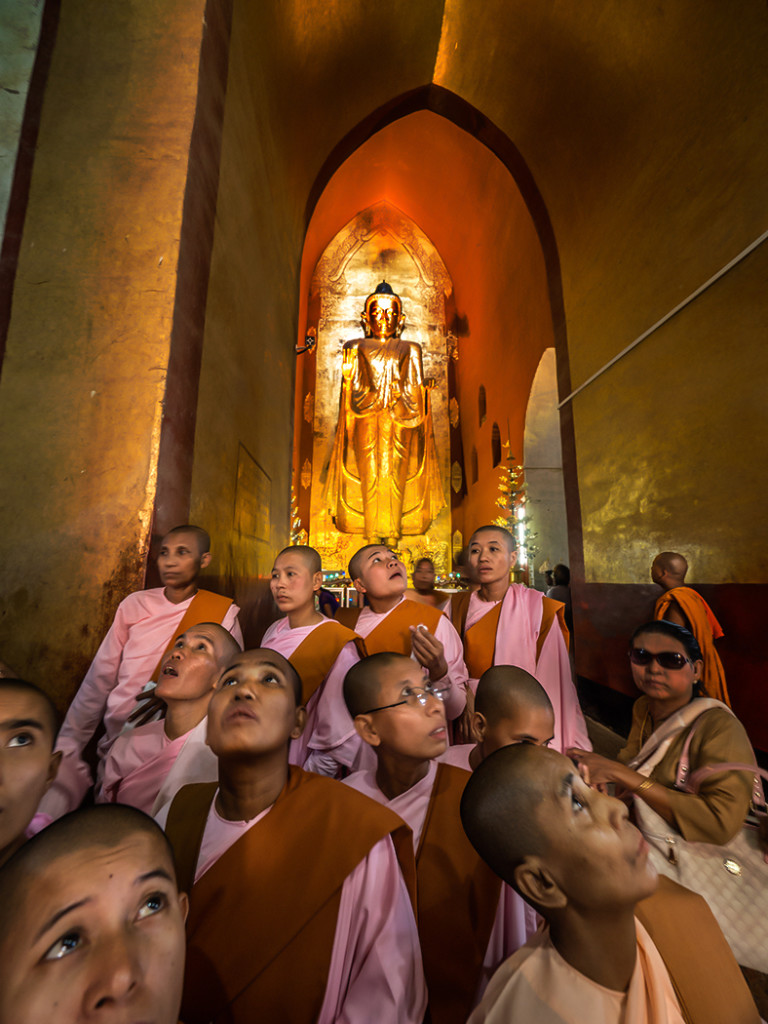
383 479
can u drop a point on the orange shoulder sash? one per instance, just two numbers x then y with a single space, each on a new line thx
271 902
480 642
551 610
706 977
393 634
205 606
458 899
313 659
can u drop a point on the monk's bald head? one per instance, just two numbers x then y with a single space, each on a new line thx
363 681
309 557
48 712
504 690
225 645
670 564
101 826
500 803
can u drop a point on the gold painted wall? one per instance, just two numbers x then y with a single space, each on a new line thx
644 128
84 372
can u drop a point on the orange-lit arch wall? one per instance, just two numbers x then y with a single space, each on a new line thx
469 205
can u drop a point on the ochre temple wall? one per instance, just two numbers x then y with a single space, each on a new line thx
84 370
646 137
644 130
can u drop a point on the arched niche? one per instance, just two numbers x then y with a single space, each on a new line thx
379 243
543 466
455 179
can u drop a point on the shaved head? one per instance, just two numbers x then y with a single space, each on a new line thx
673 563
504 690
50 714
203 539
308 555
266 655
226 646
356 561
509 540
499 803
363 681
103 825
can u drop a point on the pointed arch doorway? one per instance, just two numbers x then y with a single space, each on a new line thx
476 202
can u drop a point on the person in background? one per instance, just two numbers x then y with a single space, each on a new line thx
684 606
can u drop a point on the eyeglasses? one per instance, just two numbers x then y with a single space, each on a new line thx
666 659
417 696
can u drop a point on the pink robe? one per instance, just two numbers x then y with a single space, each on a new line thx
453 651
137 764
376 958
458 756
516 637
143 625
329 740
537 985
515 921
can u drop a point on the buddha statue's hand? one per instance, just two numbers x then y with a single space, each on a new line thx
430 382
428 651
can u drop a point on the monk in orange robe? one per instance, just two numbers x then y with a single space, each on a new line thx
684 606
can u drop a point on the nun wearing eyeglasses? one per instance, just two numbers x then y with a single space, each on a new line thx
671 715
469 921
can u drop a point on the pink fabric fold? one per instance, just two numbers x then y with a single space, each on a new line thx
329 740
143 625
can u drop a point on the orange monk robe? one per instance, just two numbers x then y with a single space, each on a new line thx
705 628
390 631
274 931
469 922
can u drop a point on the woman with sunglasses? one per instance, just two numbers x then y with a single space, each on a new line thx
666 667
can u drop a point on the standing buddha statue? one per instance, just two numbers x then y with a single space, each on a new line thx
383 478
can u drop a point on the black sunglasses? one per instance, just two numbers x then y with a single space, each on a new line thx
666 659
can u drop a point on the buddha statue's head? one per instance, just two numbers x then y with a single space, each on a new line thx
383 314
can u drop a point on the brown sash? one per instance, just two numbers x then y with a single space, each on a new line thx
348 616
264 915
550 611
480 642
457 904
707 980
314 657
393 634
459 609
205 606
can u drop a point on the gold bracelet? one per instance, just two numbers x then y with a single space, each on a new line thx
645 784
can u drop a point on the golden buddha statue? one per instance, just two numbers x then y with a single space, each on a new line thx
383 478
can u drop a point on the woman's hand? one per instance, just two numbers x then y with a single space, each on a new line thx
429 652
597 770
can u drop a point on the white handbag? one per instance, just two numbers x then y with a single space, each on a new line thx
733 878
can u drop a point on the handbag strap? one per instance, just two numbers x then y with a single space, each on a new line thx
684 764
758 796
